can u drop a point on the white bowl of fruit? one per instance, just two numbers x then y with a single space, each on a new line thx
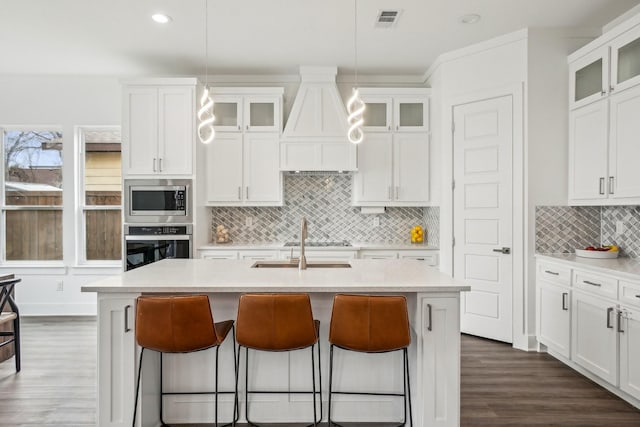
602 252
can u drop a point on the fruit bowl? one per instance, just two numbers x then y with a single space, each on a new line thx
597 254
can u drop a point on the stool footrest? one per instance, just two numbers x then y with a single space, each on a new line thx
367 393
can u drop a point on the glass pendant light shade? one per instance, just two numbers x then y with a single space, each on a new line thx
355 108
206 132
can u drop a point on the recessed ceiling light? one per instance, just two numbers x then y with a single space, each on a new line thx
469 18
161 18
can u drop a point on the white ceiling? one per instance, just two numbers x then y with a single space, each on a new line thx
117 37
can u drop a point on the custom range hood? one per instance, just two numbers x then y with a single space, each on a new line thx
315 135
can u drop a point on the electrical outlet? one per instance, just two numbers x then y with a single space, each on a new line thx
620 228
59 286
376 221
248 221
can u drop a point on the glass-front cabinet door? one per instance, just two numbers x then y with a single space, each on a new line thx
228 112
377 114
625 60
589 78
411 114
262 113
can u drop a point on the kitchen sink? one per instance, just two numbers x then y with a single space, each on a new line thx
286 264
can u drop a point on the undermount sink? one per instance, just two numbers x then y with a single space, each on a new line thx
286 264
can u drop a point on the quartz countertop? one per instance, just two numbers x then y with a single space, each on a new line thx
355 246
628 267
208 276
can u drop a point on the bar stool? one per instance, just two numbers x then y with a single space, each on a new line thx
278 322
371 324
180 324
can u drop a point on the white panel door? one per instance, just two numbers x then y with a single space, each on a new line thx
411 167
483 139
372 182
624 173
554 317
588 152
262 168
224 168
629 331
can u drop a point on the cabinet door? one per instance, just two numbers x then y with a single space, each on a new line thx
224 169
589 78
594 336
373 181
411 168
258 255
588 152
438 375
377 114
262 114
140 130
117 356
630 352
228 113
625 60
262 177
554 317
624 143
176 130
411 114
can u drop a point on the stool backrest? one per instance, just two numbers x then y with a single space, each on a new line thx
275 322
370 323
175 324
6 287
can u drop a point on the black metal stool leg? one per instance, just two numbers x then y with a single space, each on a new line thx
135 402
320 384
313 387
16 340
406 359
217 348
330 384
162 423
236 409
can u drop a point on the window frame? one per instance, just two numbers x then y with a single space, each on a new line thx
4 208
81 223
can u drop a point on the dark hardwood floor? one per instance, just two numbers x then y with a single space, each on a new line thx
500 386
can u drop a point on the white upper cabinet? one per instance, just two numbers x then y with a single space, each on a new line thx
158 127
393 159
247 109
625 60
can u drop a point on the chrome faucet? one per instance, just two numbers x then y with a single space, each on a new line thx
302 262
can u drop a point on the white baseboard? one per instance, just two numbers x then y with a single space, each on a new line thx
27 309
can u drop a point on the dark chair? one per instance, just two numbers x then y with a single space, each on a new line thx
278 322
371 324
180 324
6 289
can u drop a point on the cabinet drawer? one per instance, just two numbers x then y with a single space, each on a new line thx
431 258
554 273
630 293
601 285
216 254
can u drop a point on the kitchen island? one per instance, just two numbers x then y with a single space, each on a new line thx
434 355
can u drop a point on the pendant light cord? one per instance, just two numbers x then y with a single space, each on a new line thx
355 39
206 42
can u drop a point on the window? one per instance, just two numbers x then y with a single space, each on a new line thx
32 202
101 193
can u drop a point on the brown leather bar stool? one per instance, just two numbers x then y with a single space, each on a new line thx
371 324
180 324
278 322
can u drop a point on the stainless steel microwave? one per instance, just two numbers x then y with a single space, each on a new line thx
158 201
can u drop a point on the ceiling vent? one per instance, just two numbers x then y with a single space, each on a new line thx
387 18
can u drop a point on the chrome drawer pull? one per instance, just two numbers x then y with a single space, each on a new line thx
620 322
429 328
592 283
552 272
565 307
126 319
637 296
609 311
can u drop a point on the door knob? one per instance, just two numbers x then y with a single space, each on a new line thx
503 250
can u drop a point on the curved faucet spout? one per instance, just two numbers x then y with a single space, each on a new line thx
302 263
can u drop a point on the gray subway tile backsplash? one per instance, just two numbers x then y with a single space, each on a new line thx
325 199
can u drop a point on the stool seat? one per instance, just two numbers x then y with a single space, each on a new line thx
7 317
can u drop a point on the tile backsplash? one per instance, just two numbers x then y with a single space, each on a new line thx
325 199
564 228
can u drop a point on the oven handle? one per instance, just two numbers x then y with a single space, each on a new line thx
159 237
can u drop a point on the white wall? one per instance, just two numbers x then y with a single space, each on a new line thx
63 102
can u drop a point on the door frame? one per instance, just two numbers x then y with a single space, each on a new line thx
521 301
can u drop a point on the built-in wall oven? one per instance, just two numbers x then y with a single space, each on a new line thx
158 201
145 244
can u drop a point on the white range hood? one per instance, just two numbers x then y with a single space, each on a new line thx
315 135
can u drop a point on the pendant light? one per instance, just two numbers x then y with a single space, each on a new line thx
206 132
355 106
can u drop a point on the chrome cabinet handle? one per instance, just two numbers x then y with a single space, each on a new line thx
601 185
609 311
611 181
247 127
397 127
552 272
430 325
389 127
239 128
592 283
239 193
612 88
247 192
126 319
620 322
160 164
603 93
637 296
154 164
565 306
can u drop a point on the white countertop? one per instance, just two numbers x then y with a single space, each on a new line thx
205 275
355 246
629 267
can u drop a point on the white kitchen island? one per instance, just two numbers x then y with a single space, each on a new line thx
434 356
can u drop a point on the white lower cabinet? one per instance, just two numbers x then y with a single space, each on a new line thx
430 257
554 317
217 254
629 332
594 336
116 360
439 356
257 255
